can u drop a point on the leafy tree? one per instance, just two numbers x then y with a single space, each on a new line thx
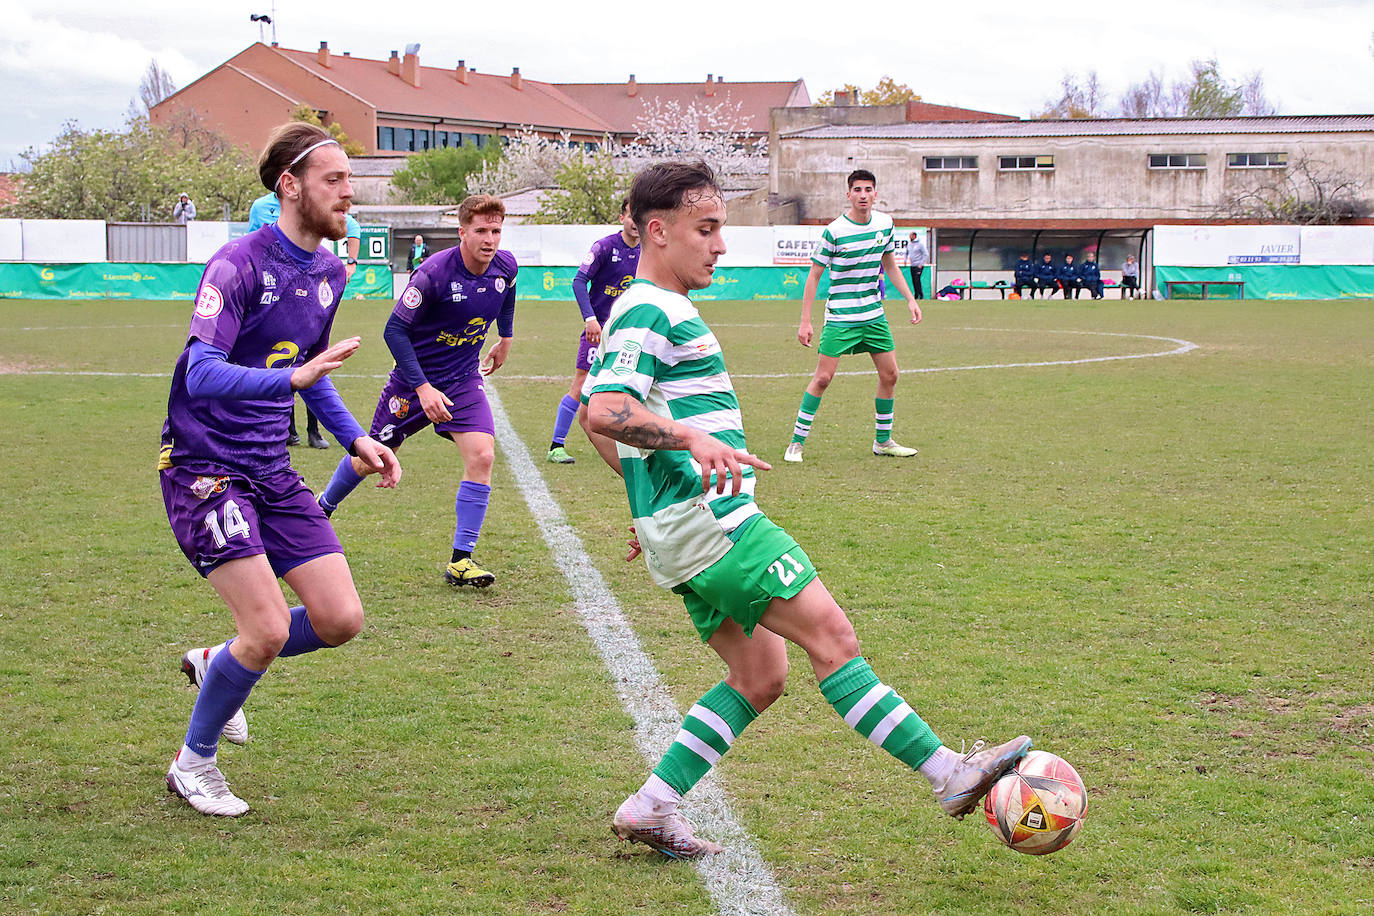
590 191
307 114
119 176
155 86
887 92
442 175
1209 95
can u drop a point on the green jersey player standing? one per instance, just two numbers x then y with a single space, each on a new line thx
857 248
660 389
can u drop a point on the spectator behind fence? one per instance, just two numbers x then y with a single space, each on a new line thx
184 211
1090 275
917 256
418 252
1069 278
1130 277
1024 275
1046 277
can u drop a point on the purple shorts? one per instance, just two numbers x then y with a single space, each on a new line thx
400 416
586 352
221 517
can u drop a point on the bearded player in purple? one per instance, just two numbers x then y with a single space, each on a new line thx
436 334
240 512
605 273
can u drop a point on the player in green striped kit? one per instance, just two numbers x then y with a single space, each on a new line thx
857 248
660 389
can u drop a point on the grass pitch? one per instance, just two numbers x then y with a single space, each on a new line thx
1158 568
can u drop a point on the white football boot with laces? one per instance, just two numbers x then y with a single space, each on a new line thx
670 834
974 775
204 788
194 665
793 453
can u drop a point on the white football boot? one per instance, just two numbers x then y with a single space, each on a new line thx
204 788
793 453
974 775
670 834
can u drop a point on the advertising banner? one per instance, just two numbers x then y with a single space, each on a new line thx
1338 245
27 280
1221 246
64 240
794 245
751 283
11 240
1273 281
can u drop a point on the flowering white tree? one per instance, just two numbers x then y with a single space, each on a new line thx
713 133
527 161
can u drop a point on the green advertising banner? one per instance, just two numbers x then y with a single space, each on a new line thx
23 280
555 283
1272 281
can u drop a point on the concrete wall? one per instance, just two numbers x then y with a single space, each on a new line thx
1097 180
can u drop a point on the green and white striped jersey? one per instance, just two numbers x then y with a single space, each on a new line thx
656 348
854 253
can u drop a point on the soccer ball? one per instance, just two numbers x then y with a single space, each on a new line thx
1038 807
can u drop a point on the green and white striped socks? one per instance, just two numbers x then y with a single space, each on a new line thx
882 419
707 732
875 711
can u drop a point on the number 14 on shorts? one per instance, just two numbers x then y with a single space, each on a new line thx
235 525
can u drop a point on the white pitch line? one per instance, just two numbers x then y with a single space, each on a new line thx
739 881
1184 346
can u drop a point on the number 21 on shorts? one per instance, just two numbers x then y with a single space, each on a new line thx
235 525
786 569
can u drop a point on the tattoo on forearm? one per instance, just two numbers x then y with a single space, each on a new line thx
640 434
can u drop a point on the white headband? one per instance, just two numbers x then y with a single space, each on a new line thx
303 153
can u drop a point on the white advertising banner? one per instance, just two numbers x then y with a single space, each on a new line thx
794 245
11 240
64 240
203 239
1226 246
747 246
1338 245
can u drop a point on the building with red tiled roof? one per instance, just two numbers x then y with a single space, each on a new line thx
399 105
9 189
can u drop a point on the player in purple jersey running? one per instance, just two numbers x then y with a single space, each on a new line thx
605 273
436 332
240 512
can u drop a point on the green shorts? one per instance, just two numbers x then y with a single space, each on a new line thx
869 337
764 564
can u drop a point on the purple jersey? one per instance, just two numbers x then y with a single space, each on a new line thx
447 311
607 270
262 308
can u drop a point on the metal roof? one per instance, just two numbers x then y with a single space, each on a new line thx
1091 127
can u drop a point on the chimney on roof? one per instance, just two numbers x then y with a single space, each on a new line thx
347 54
460 73
322 55
632 89
410 65
842 99
515 80
710 85
393 66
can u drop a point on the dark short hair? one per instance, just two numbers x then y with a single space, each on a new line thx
284 144
624 204
860 175
480 205
666 187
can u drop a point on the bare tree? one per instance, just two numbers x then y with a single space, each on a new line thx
155 86
1077 99
1145 99
1309 192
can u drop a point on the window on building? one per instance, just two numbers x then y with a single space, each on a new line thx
1024 163
386 138
422 139
951 163
405 138
1178 160
472 139
1256 160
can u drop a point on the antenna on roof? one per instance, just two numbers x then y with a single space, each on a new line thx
263 19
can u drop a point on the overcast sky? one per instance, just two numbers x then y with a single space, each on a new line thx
82 60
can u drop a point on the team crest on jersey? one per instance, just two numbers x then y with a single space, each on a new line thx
326 295
411 298
591 256
399 407
500 284
627 360
205 487
209 302
269 280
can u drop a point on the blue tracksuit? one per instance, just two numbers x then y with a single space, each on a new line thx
1069 279
1091 275
1023 276
1046 277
